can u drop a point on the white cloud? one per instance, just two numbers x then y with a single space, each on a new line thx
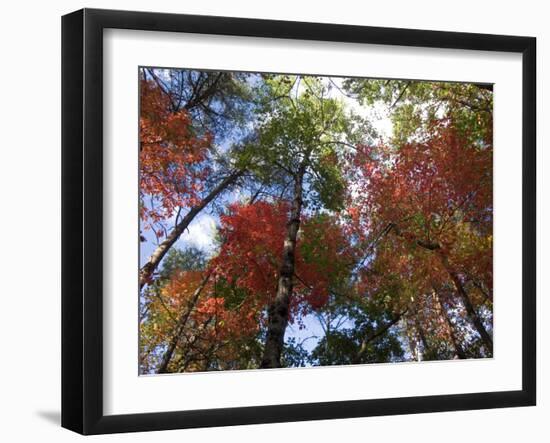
200 233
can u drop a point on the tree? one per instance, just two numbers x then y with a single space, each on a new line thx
428 208
252 253
412 105
194 319
161 306
218 102
299 136
367 336
171 155
177 152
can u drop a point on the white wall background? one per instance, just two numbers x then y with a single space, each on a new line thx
30 219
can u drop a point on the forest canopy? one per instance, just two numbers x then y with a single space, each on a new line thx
298 220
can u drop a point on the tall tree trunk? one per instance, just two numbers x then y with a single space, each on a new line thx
459 351
420 331
474 317
278 311
148 268
167 356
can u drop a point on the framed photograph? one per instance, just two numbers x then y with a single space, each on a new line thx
269 221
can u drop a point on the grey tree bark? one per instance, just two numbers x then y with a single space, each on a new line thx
156 257
459 350
278 311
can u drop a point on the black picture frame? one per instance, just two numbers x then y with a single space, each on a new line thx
82 219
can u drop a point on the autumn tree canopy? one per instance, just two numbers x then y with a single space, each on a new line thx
283 224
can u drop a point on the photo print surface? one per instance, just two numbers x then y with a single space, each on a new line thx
292 220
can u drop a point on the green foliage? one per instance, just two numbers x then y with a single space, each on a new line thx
415 104
301 125
344 346
188 259
294 354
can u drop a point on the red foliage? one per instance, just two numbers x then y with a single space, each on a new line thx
436 193
227 323
171 155
253 237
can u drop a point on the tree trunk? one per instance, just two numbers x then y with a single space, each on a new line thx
278 311
459 351
474 317
162 369
420 331
148 268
